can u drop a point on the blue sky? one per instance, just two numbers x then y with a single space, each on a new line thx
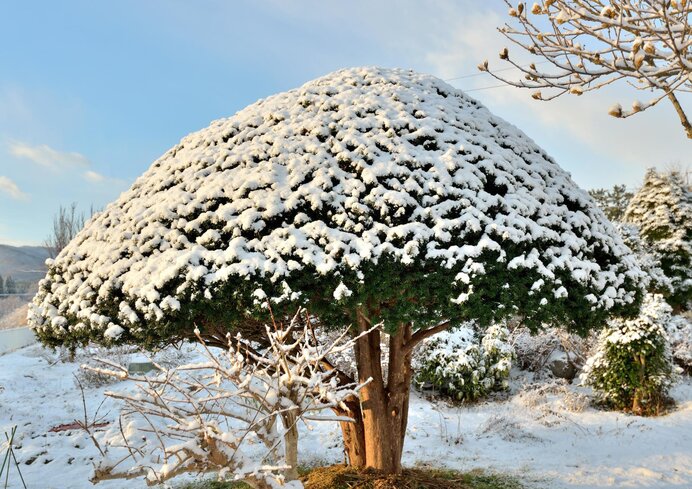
91 93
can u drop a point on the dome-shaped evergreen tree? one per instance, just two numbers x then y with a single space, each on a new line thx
369 195
662 209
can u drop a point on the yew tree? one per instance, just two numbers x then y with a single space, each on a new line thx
367 196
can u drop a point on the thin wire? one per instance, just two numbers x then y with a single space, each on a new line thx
486 88
496 71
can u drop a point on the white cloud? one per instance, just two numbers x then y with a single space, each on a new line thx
48 157
93 176
8 187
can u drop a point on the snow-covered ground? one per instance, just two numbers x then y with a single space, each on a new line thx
547 437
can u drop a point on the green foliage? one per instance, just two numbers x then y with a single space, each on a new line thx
2 285
390 292
462 366
612 201
633 368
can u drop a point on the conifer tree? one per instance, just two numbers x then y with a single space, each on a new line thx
10 285
2 285
613 201
662 209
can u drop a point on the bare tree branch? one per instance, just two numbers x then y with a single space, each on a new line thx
593 43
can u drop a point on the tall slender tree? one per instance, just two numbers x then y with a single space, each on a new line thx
10 285
662 210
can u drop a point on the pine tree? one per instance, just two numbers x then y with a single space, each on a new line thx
10 285
612 201
662 209
2 285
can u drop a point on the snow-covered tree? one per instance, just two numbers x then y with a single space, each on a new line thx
648 258
367 196
632 367
662 210
613 201
589 44
235 414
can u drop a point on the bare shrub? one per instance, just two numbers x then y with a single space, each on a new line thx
222 415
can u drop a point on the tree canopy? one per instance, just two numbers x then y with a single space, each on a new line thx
376 188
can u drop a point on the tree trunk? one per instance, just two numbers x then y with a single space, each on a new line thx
353 433
383 406
291 445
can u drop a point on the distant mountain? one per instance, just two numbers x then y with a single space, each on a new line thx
23 263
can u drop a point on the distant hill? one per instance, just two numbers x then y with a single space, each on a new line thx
23 263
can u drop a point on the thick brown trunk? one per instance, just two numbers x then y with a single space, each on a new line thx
399 387
384 407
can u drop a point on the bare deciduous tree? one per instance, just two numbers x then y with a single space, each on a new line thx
592 43
214 416
66 224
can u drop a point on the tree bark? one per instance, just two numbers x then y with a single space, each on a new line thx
384 406
353 433
291 445
681 114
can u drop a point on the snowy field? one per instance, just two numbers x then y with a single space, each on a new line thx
546 436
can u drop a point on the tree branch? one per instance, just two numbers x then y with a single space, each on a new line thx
422 334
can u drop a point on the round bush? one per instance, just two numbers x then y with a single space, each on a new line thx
463 366
632 367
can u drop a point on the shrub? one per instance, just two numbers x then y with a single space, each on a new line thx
632 367
463 366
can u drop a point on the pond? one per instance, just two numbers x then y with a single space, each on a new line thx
12 339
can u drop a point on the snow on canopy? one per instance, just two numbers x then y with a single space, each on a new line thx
329 177
662 210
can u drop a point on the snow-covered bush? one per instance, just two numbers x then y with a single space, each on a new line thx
632 367
538 352
236 413
461 365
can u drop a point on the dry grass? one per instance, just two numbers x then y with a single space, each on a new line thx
343 477
15 318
